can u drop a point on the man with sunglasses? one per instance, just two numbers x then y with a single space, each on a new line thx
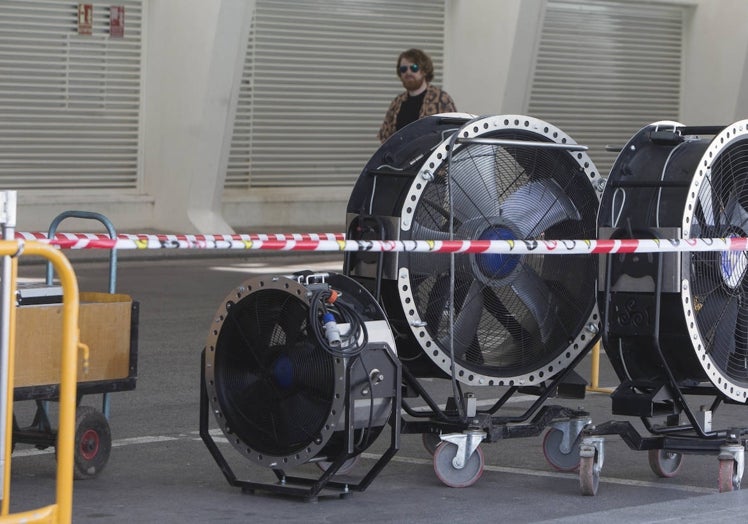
416 71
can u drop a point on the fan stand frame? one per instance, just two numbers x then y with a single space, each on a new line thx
666 396
438 420
695 436
310 488
457 417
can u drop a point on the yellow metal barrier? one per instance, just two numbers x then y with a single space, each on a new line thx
62 510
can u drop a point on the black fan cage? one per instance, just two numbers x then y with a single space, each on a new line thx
512 316
275 385
718 296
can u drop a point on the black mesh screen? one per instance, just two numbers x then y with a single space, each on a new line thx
718 285
512 313
274 383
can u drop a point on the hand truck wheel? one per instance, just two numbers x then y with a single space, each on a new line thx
93 442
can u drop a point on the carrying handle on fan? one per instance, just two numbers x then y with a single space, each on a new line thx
521 143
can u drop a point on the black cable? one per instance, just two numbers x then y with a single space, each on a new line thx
351 348
343 314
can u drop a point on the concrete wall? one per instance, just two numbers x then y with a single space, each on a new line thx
715 79
489 53
193 58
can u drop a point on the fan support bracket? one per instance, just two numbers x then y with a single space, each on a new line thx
304 487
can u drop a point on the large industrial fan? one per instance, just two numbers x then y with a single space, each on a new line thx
480 319
676 324
301 369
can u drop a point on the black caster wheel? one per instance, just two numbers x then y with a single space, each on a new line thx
93 442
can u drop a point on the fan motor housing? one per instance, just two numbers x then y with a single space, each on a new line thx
424 184
672 181
278 396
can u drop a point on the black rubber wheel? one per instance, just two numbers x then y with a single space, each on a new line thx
93 442
560 461
451 476
665 464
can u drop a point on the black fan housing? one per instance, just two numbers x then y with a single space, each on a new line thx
491 319
673 181
280 397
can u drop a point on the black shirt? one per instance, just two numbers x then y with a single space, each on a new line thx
409 110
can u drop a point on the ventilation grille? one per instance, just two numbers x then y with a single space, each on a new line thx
606 69
69 102
318 78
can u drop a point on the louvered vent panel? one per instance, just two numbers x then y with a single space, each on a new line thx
605 69
69 102
318 78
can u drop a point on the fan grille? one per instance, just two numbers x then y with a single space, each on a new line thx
719 289
274 384
512 314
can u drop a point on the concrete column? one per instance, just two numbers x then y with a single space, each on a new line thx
490 53
195 52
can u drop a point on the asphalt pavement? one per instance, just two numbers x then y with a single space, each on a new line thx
160 470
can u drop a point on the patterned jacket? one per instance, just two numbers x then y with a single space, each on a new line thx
434 101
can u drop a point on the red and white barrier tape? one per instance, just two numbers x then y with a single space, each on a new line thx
331 242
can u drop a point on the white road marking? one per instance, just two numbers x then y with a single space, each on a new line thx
218 437
261 269
142 440
553 474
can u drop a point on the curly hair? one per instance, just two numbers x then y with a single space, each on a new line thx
417 57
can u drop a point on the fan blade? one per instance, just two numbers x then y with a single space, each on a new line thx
538 298
536 206
496 307
739 360
737 217
292 319
474 181
467 319
437 301
696 230
718 319
297 418
421 232
429 263
706 202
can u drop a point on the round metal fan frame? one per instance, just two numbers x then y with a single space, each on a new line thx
476 128
737 131
337 401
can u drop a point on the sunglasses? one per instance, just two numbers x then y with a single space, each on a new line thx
413 67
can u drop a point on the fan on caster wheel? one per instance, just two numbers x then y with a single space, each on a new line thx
489 319
675 325
672 181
